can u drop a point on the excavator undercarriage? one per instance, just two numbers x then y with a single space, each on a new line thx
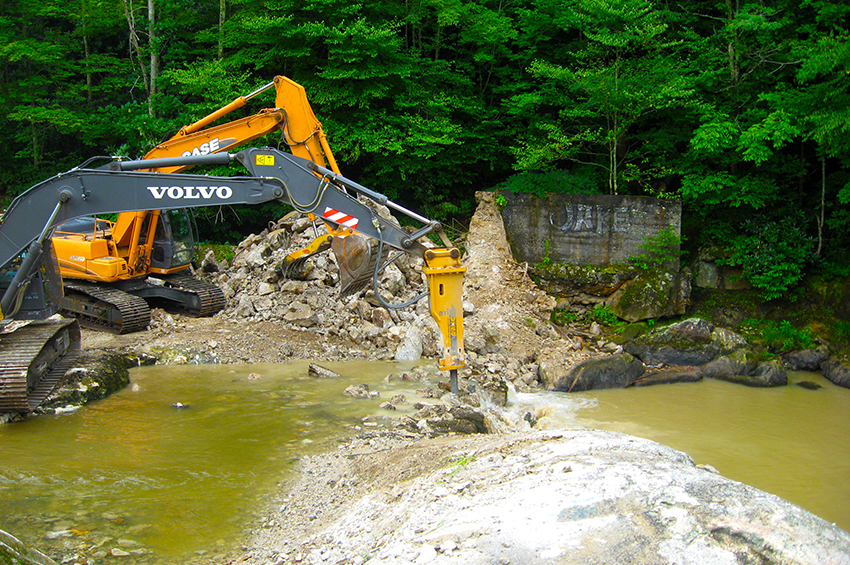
124 307
33 360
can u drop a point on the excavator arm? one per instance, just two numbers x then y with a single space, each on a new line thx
274 175
302 131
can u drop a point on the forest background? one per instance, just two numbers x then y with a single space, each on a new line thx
740 109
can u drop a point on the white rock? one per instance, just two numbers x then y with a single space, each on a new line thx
427 553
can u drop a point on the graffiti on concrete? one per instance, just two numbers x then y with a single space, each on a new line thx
590 218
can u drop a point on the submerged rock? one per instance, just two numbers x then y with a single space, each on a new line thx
359 391
320 372
670 375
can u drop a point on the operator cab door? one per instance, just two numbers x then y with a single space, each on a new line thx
174 242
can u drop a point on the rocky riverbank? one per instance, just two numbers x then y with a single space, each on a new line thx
509 336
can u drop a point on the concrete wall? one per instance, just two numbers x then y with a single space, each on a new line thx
585 229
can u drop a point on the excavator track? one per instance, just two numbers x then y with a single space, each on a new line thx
105 308
33 360
210 298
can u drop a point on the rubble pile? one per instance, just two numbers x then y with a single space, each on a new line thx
257 290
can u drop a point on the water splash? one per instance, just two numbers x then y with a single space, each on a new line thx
540 411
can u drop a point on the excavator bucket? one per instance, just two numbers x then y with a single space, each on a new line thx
356 260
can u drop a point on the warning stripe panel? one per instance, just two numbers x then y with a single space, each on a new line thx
342 219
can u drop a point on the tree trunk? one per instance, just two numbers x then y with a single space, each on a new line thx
88 73
732 46
822 204
222 13
135 47
153 45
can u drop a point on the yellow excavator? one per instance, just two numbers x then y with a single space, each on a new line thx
114 271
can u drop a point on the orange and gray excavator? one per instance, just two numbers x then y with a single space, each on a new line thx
114 271
36 347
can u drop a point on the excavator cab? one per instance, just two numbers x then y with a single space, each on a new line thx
174 241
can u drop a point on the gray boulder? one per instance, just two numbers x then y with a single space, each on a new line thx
837 371
770 373
577 497
690 342
209 264
612 371
806 359
741 362
744 367
439 419
652 294
412 346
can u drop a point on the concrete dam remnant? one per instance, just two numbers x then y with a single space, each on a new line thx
585 229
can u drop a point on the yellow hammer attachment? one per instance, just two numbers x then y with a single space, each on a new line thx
445 286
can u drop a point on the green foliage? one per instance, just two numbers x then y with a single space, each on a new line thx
558 182
732 107
223 224
562 317
843 331
773 254
778 337
659 249
221 251
501 201
546 261
602 314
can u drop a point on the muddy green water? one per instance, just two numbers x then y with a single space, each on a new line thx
134 473
788 441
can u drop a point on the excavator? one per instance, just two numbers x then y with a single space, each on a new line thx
114 271
36 347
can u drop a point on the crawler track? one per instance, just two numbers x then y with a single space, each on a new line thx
105 308
208 300
33 360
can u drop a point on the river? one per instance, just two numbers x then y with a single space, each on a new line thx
134 474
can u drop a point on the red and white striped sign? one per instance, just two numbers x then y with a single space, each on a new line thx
340 218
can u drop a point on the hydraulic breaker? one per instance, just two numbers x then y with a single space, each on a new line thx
445 284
